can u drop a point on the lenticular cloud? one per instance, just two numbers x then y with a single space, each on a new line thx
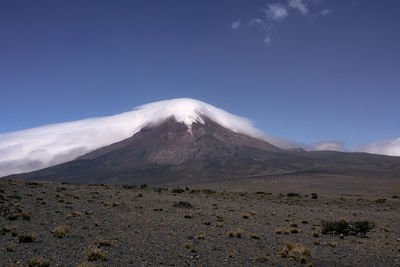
36 148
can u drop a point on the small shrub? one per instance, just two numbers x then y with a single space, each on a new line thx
315 234
245 216
344 227
201 236
206 223
183 204
208 191
333 244
104 243
9 249
219 224
178 190
143 186
26 238
236 233
125 186
73 214
13 216
254 236
314 195
25 215
380 200
60 231
38 262
188 215
293 195
95 254
295 252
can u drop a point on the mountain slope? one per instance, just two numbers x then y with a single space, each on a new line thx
170 152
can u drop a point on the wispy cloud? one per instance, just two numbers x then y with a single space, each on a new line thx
257 22
385 147
299 5
325 12
236 24
331 145
267 40
276 12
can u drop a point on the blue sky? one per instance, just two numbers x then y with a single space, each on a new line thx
310 70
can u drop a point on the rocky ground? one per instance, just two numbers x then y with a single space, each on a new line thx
77 225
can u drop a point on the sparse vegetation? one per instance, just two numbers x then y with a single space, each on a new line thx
178 190
60 231
146 230
104 243
345 227
295 252
38 262
254 236
182 204
293 195
95 254
236 233
26 238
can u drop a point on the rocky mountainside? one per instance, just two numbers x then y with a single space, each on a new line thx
171 152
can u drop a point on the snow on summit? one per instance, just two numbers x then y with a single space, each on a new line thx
41 147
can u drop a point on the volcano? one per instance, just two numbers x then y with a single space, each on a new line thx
191 143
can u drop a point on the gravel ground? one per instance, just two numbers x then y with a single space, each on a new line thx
80 225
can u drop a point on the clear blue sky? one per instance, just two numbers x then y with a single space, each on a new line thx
311 70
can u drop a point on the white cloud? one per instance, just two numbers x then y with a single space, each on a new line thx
385 147
236 24
257 22
332 145
325 12
267 40
276 12
36 148
299 5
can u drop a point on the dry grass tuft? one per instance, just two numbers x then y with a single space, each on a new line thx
26 238
60 231
295 252
254 236
219 224
38 262
235 233
95 254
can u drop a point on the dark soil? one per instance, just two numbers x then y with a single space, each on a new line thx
68 225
